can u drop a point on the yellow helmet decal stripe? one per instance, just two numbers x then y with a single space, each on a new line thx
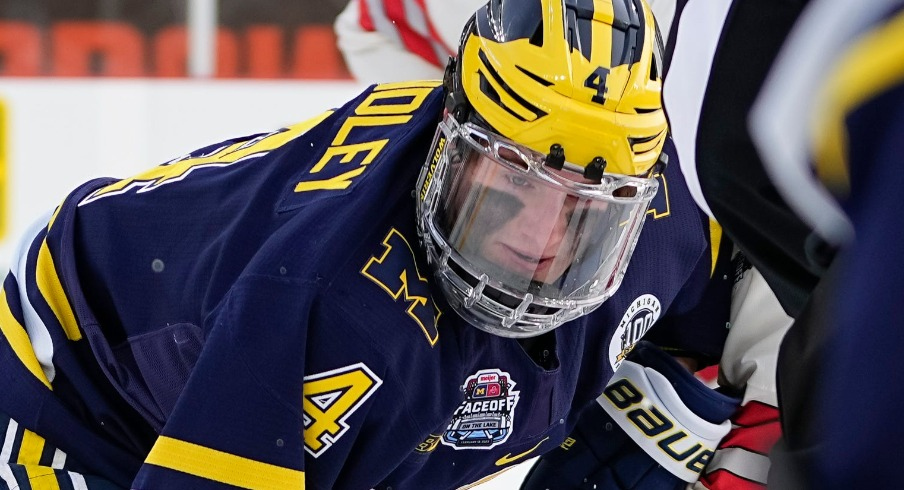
603 12
506 99
643 145
602 31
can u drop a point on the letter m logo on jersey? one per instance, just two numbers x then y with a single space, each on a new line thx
396 272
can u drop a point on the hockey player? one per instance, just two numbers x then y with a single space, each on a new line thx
838 85
262 314
717 54
387 40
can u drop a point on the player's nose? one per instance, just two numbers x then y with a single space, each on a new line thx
544 221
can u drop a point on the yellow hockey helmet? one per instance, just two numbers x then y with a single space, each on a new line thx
573 78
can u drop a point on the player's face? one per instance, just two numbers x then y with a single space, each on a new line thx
524 225
512 240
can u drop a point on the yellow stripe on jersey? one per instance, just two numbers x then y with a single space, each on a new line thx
371 106
715 240
211 464
871 66
42 477
49 284
18 339
485 479
31 448
53 217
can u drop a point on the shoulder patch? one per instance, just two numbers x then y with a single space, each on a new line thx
637 321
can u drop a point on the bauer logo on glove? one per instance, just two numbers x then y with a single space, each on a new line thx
670 423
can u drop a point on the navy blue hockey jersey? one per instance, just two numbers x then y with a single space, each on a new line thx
259 314
862 140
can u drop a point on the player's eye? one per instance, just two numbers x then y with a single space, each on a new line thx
519 181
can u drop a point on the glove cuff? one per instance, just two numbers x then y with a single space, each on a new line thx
704 401
648 409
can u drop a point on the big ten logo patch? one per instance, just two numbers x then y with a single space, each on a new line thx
485 418
567 443
637 321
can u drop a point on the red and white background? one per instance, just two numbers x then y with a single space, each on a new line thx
94 88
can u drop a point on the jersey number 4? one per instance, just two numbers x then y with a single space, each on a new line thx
329 399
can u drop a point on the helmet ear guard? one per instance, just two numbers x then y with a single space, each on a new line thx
456 102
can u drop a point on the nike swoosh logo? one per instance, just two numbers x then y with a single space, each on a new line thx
508 458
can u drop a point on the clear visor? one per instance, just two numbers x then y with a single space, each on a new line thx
522 228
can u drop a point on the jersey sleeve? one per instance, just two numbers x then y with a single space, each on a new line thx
758 324
27 460
244 419
748 366
695 324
